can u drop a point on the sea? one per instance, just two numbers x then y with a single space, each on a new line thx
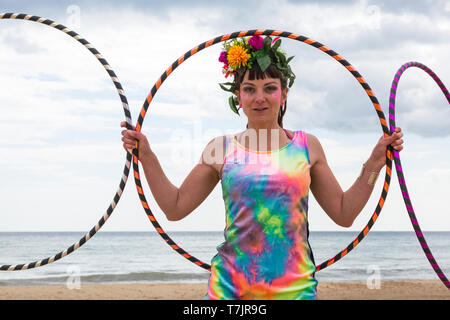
144 257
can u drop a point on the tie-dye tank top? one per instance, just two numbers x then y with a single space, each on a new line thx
266 253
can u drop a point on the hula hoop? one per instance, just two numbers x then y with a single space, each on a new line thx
126 171
399 169
284 34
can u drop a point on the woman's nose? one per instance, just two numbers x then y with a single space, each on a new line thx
259 96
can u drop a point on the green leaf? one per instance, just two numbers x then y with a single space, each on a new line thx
258 53
289 59
225 88
264 62
232 101
276 59
282 57
267 42
277 44
291 82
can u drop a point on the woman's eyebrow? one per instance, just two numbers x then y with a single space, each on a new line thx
266 84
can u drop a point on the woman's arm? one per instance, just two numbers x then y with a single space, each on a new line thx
175 202
344 207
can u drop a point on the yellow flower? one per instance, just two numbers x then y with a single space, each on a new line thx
237 57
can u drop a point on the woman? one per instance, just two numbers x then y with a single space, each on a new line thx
265 172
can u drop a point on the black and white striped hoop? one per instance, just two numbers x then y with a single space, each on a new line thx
115 80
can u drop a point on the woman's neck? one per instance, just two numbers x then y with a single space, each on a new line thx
263 125
263 139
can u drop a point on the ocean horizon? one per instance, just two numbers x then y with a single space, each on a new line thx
144 257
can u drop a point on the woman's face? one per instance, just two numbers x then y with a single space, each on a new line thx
261 99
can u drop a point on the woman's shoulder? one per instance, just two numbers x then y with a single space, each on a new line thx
216 142
213 152
314 148
312 139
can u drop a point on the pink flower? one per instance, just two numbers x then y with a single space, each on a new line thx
256 42
223 57
275 40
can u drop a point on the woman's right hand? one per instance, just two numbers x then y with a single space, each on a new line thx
130 137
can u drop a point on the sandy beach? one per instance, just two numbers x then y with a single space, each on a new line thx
389 290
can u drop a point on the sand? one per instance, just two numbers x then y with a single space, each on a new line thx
389 290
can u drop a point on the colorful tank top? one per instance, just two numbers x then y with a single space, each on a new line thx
266 253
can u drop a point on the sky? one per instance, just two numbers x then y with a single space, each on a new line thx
62 158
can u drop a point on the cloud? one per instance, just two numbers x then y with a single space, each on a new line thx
20 43
375 37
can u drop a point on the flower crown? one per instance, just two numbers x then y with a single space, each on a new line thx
239 55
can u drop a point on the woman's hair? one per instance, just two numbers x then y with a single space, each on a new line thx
272 72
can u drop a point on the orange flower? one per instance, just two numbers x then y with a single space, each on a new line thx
237 57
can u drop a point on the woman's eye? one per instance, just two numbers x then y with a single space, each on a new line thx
248 89
271 88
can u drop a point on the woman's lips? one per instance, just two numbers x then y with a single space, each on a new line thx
259 109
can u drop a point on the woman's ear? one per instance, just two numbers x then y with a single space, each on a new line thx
238 96
284 95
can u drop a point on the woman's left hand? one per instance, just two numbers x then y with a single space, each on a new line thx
378 155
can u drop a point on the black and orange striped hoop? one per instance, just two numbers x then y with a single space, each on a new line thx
115 80
284 34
